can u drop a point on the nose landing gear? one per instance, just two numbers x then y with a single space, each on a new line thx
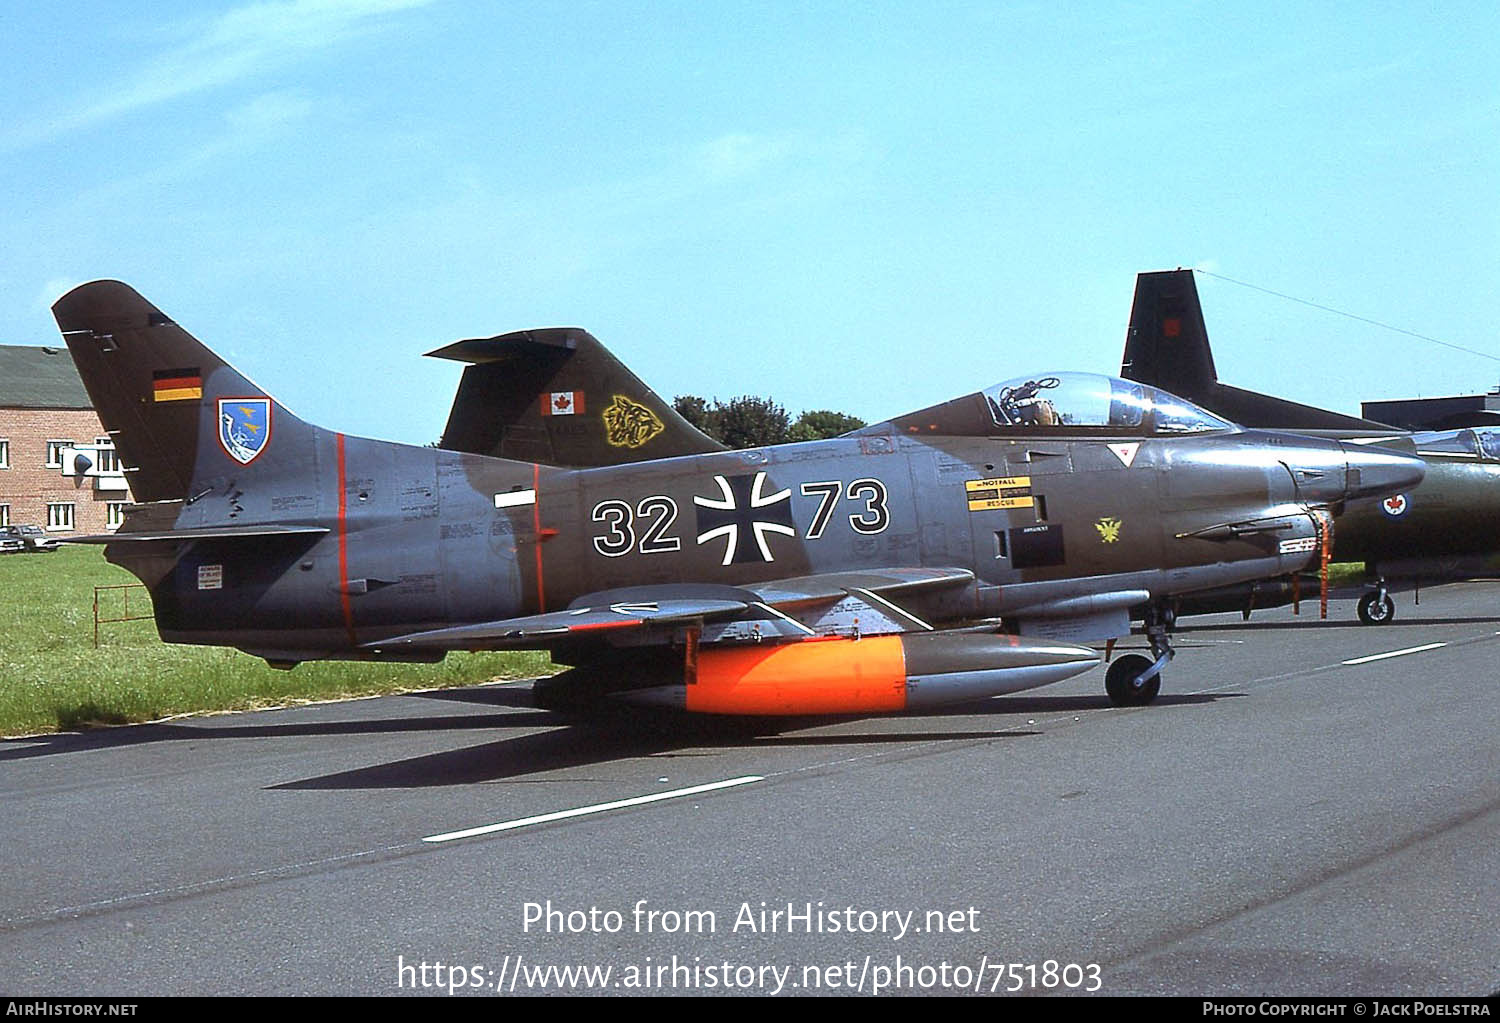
1377 607
1134 680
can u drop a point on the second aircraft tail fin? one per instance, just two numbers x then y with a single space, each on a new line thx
556 395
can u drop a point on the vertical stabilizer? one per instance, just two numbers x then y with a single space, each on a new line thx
1166 346
556 395
1167 342
179 415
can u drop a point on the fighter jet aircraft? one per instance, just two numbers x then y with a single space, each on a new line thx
1023 519
1445 529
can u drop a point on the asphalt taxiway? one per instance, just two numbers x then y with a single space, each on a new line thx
1309 808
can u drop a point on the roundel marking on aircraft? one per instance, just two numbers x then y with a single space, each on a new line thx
1396 506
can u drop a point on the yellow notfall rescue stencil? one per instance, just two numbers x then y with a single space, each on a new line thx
1001 492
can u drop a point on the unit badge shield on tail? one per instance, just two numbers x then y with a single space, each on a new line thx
244 427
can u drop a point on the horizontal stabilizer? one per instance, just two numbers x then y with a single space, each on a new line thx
519 344
206 533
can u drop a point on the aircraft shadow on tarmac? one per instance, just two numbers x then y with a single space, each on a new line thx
583 746
628 733
225 727
1314 623
632 733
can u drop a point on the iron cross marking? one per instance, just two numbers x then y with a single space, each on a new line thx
744 513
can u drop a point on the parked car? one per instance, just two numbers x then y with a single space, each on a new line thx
33 538
11 545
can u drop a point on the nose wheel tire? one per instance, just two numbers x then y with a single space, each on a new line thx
1120 681
1376 608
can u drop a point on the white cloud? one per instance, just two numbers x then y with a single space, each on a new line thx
267 114
54 289
211 53
738 154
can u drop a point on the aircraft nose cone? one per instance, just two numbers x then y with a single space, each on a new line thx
1380 472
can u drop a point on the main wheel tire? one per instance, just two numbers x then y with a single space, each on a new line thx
1375 611
1120 681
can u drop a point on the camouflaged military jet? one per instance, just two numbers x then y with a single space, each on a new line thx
1443 530
958 552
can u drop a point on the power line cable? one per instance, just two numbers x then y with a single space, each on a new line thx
1351 316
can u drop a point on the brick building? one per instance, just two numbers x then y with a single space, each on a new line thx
46 423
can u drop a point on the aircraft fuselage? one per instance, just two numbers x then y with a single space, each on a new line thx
419 538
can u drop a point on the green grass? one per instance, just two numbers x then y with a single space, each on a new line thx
1345 573
52 678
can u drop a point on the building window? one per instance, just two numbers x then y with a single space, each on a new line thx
109 460
114 514
4 454
60 516
54 452
4 514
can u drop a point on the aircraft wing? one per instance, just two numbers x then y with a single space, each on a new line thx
829 604
888 582
575 622
205 533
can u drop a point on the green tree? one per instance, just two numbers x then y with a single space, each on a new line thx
696 411
819 424
751 422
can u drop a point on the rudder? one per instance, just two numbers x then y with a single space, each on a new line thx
165 398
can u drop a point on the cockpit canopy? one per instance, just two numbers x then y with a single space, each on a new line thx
1480 442
1091 400
1082 404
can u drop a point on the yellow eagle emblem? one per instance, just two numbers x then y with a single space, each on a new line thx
1109 530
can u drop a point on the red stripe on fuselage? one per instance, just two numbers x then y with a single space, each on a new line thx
344 544
536 522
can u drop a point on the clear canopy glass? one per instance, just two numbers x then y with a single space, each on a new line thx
1480 442
1096 402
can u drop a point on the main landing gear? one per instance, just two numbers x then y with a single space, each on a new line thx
1377 607
1134 680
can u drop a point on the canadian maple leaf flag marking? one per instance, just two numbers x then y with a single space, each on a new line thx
562 403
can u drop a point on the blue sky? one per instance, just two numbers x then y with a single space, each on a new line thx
866 207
